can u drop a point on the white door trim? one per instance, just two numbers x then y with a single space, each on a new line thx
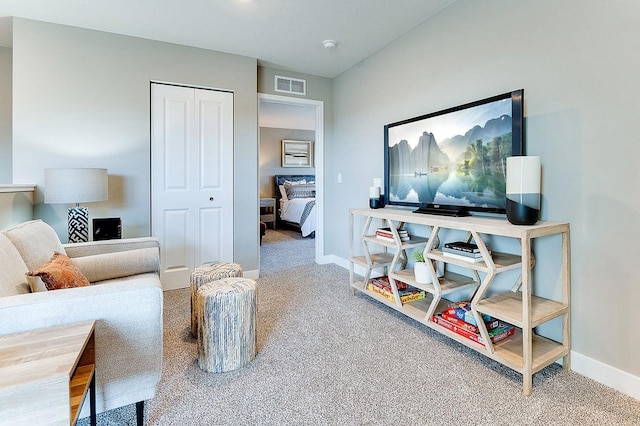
318 156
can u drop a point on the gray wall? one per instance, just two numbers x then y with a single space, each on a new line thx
5 115
577 65
271 156
81 99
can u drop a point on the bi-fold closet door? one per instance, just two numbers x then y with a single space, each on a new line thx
191 178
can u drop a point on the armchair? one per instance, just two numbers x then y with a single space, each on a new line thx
125 299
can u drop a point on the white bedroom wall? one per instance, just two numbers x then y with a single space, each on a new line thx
81 99
5 115
576 63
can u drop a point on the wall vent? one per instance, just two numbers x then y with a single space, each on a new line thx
290 85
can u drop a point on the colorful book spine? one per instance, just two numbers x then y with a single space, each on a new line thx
406 296
491 325
497 335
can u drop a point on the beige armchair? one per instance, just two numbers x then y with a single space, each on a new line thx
125 299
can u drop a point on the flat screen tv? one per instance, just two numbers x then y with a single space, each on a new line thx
454 161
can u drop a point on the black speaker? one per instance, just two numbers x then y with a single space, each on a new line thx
107 229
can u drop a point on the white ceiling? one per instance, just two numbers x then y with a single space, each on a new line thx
286 34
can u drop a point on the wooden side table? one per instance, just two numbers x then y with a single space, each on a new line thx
45 375
268 211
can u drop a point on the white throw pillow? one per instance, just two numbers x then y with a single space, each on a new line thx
100 267
36 242
12 279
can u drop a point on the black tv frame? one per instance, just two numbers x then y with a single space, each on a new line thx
517 148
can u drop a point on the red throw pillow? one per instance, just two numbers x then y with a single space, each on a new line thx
59 273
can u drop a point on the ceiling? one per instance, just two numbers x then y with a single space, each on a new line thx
285 34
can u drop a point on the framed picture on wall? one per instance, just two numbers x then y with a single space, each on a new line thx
297 153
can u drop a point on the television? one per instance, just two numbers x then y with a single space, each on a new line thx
454 161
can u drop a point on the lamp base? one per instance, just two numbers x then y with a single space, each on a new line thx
78 224
521 214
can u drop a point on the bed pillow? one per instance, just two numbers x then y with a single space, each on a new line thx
283 191
300 191
60 272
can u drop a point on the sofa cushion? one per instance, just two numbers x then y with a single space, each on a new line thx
12 278
36 242
106 266
59 273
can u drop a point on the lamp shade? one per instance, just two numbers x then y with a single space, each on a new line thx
84 185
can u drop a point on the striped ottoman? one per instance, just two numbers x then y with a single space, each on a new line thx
226 324
205 274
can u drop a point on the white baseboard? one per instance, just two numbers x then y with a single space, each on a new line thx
603 373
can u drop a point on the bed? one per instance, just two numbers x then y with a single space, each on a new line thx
295 202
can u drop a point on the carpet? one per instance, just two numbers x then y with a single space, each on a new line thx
329 357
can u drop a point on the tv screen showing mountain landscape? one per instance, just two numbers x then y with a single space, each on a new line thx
458 158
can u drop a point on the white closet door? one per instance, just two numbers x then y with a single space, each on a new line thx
191 179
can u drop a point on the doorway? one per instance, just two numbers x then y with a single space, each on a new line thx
191 178
315 121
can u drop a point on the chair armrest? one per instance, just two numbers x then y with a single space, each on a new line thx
128 334
109 246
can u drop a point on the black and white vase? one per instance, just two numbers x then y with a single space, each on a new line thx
523 190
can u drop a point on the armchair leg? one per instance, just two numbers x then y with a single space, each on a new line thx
140 413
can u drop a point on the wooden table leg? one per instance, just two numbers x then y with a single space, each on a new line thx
92 400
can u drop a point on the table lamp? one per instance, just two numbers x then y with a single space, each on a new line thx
83 185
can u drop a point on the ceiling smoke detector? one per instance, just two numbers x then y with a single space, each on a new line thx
330 44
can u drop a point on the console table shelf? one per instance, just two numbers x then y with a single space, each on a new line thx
525 352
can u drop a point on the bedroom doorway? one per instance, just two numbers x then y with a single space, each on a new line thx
282 117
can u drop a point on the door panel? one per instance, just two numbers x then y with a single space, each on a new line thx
192 179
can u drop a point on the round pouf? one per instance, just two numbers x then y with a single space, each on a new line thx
226 324
205 274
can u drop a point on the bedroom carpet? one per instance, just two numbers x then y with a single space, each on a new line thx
327 357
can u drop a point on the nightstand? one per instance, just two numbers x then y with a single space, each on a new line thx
268 211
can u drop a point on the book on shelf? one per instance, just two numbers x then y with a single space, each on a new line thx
496 335
407 293
491 324
463 257
462 253
462 311
462 246
391 239
388 230
383 282
386 233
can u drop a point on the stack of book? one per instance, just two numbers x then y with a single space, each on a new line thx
407 293
462 250
459 318
387 235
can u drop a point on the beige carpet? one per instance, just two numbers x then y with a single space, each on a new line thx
327 357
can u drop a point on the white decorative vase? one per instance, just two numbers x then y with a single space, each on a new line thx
421 272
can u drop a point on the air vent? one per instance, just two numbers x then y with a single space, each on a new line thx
290 85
